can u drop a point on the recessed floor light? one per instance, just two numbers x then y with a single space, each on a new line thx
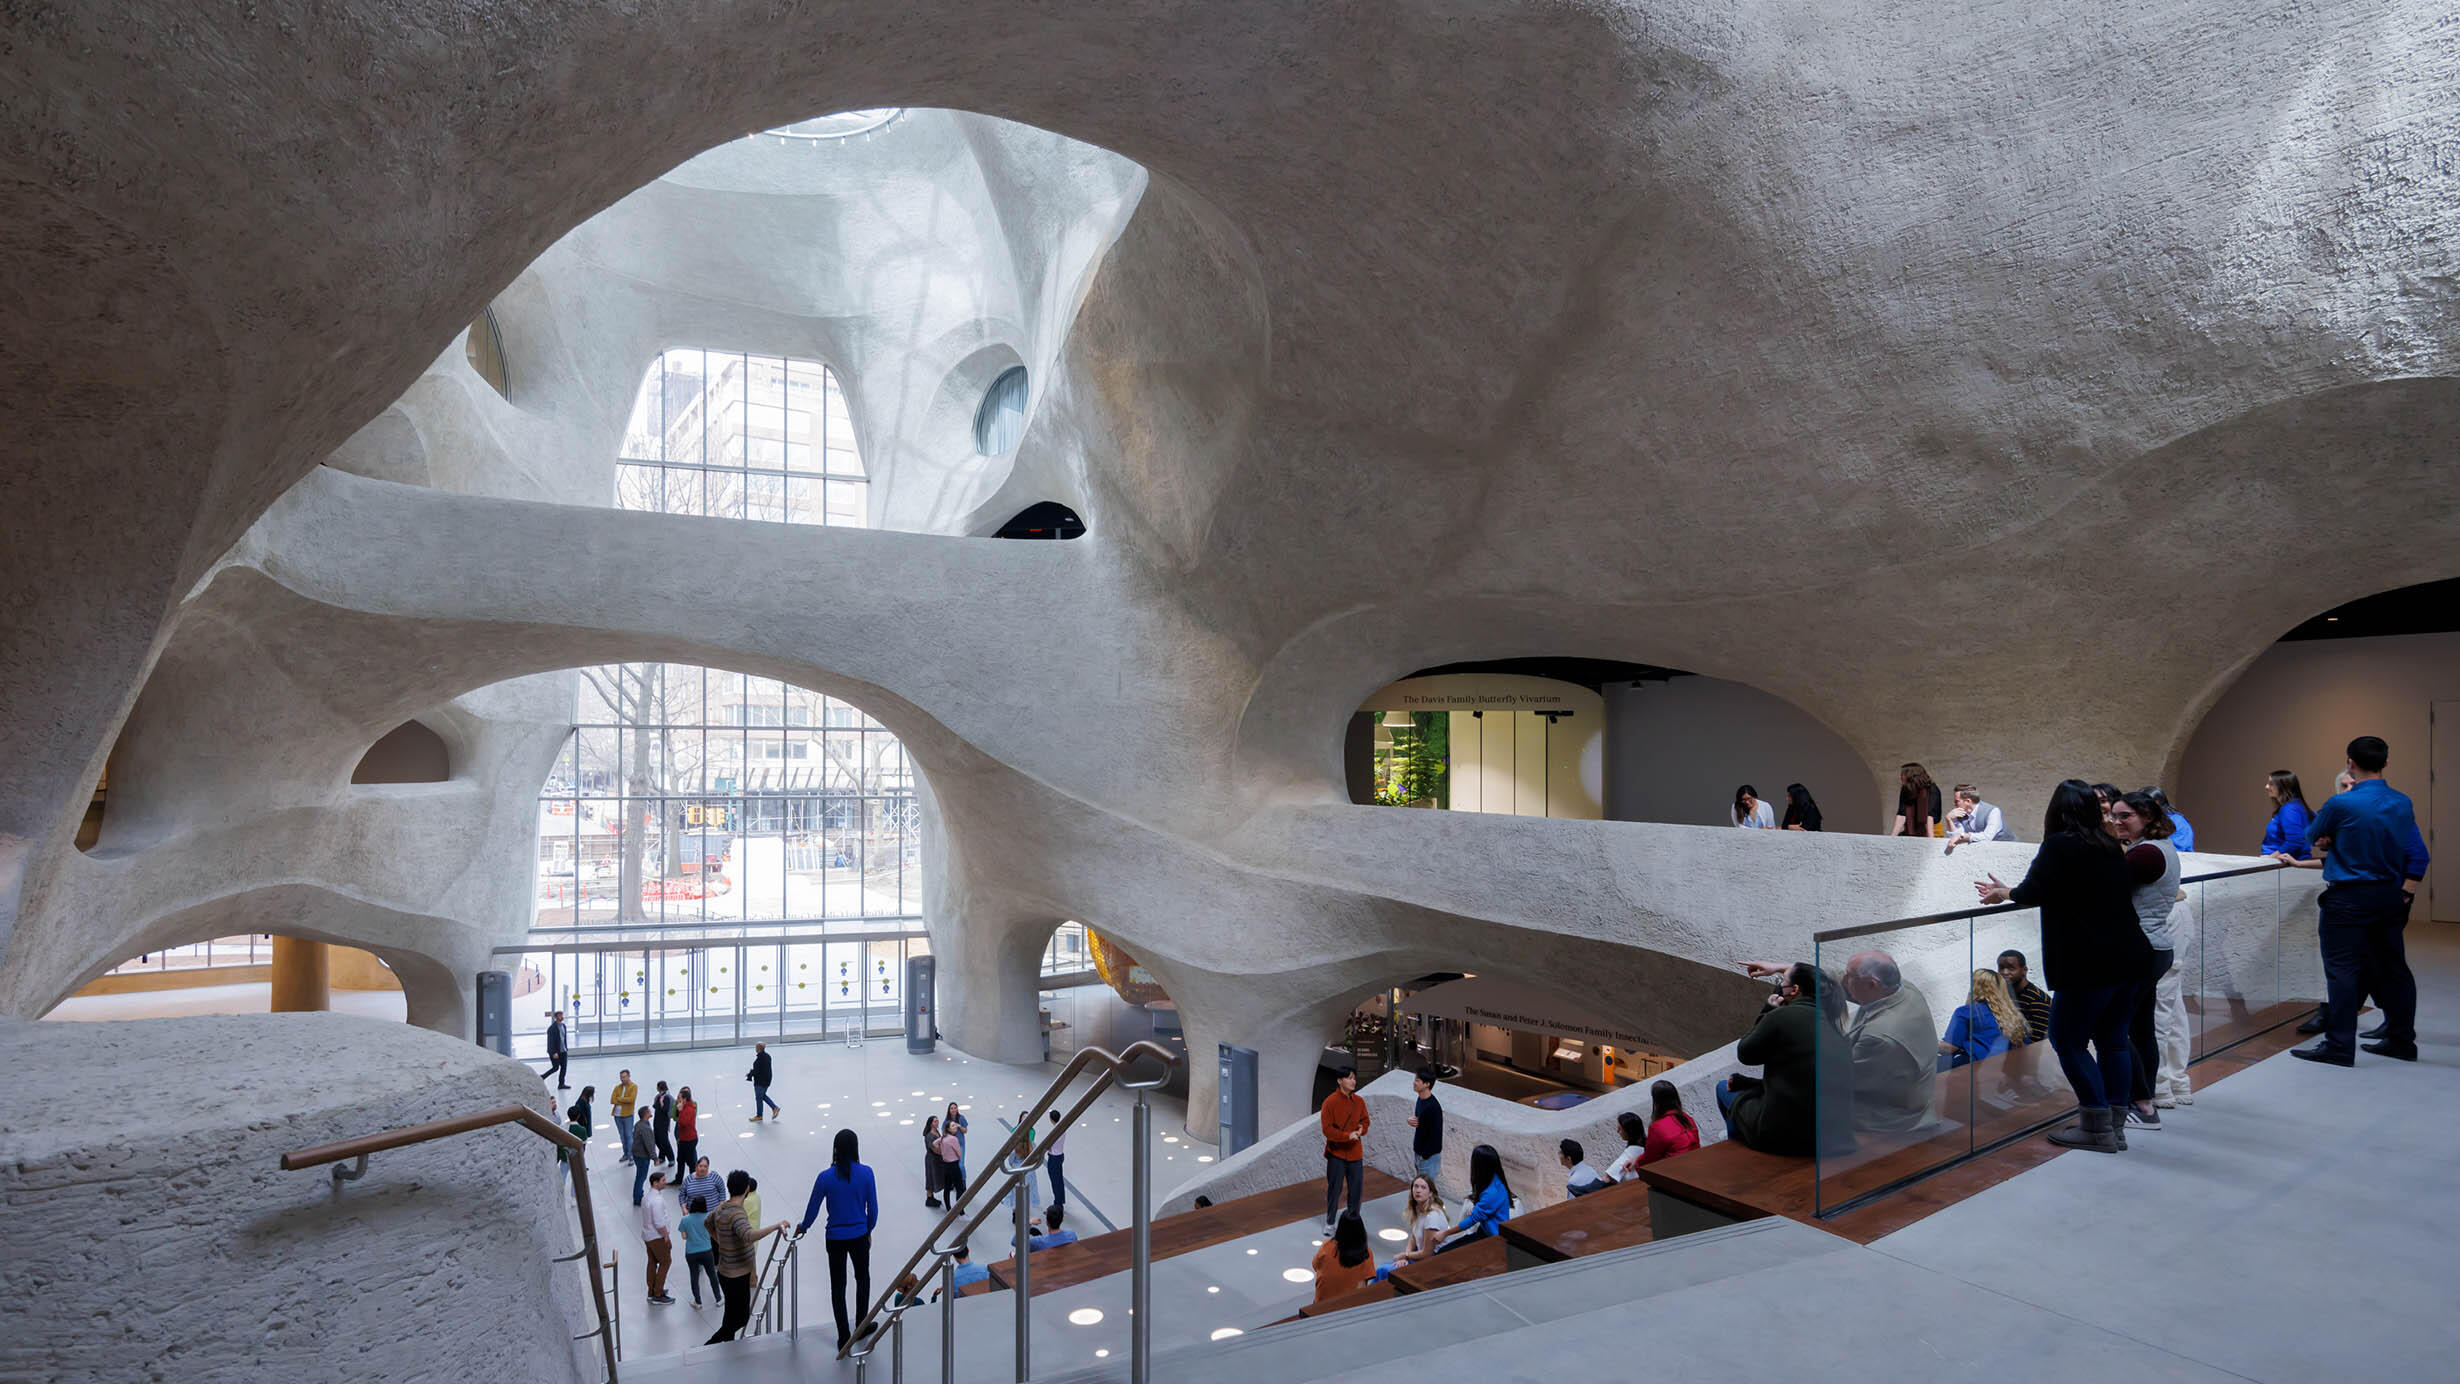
744 1135
1085 1316
1204 1158
1298 1275
1224 1333
1251 1251
1101 1355
1212 1287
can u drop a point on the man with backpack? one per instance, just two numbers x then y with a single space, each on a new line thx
759 1077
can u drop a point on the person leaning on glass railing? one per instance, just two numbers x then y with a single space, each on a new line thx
2093 953
2285 829
1799 1038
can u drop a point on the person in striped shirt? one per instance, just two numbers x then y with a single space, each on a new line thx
700 1182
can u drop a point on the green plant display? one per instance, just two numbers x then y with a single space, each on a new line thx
1417 771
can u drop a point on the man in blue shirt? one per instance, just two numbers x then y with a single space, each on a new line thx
1053 1237
2373 862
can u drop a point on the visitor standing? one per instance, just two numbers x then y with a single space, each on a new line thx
662 1108
644 1156
1801 813
2157 1034
1344 1121
582 1111
2285 829
1426 1123
845 1189
933 1169
1054 1154
701 1182
2093 953
733 1237
556 1056
619 1103
1749 811
698 1258
1917 802
2182 832
952 1165
2373 863
1343 1263
687 1134
759 1076
657 1233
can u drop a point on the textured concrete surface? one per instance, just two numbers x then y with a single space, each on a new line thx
1846 353
156 1236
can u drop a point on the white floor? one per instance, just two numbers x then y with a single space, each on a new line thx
884 1094
217 999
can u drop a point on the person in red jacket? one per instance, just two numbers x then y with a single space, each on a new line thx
1344 1118
1671 1130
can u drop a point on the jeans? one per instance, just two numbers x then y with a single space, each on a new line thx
2143 1047
687 1152
857 1249
555 1068
640 1179
2097 1015
1340 1173
738 1295
760 1097
1725 1106
1059 1184
1429 1166
623 1135
2365 954
698 1262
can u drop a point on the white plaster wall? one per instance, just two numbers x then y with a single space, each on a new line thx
154 1234
2297 707
1676 751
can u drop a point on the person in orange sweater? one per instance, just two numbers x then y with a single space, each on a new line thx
1343 1264
1344 1118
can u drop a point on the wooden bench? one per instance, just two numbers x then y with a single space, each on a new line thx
1100 1256
1484 1259
1360 1297
1614 1218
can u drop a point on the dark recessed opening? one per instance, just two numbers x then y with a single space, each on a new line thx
2428 608
1592 673
1047 519
408 753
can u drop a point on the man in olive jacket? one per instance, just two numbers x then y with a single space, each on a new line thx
1802 1056
1894 1043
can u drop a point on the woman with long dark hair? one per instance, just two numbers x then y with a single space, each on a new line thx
845 1187
1635 1131
1801 814
2157 1034
1749 811
2093 953
1344 1264
1490 1200
1671 1128
1917 801
932 1167
2285 833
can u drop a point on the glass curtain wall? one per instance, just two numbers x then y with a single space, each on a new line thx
737 824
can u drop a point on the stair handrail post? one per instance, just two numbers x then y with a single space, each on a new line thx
1024 1272
948 1320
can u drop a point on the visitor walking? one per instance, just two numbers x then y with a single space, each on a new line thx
556 1056
734 1238
845 1189
759 1076
2373 863
1748 811
2285 829
657 1233
582 1111
687 1133
662 1108
1344 1121
698 1258
619 1103
1426 1123
1054 1155
2092 952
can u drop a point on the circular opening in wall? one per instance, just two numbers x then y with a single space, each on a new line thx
1000 421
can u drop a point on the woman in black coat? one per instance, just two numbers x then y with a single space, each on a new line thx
2093 955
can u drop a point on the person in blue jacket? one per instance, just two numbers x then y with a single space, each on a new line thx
2285 834
1490 1200
2182 835
846 1188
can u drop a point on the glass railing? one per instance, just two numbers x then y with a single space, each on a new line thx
1917 1071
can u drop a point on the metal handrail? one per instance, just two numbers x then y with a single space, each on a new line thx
1840 934
528 1119
781 1275
1010 1165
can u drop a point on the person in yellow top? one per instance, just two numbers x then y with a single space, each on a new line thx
625 1096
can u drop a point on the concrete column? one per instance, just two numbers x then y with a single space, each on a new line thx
302 976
